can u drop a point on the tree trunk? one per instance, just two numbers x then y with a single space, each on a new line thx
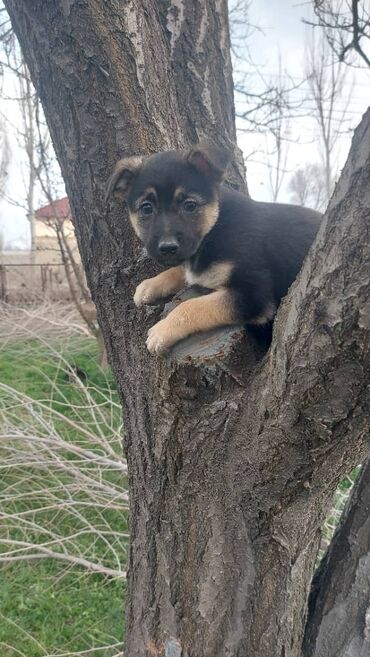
339 610
233 458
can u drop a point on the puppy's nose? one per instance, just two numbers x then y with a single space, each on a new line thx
168 247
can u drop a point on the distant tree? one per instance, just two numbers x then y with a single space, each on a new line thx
277 142
326 78
4 158
306 186
27 137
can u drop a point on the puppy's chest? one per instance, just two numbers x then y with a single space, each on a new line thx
215 276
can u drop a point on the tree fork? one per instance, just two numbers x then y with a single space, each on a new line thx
233 457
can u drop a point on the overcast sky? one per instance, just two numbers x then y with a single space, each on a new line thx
282 34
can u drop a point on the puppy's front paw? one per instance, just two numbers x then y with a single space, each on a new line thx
160 337
146 292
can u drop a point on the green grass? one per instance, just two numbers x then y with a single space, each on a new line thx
35 368
49 606
41 614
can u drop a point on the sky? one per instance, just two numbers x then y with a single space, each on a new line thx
280 36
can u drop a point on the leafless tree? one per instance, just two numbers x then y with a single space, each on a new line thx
4 158
27 137
277 137
326 79
306 186
346 24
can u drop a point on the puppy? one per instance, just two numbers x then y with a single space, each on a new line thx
247 253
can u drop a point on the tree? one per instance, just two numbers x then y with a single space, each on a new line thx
233 454
326 79
306 186
276 160
346 26
4 158
28 102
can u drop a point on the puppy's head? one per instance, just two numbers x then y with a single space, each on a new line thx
172 198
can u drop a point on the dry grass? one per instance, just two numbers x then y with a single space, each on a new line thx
63 496
47 320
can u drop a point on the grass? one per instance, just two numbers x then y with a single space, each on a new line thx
38 369
62 490
42 614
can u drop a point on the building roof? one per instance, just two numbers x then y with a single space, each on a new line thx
59 209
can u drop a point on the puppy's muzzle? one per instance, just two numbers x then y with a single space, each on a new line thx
168 247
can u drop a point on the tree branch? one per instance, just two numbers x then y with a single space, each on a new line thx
356 33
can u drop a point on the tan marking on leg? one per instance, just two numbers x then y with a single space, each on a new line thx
166 283
192 316
210 213
215 277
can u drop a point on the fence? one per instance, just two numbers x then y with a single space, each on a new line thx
25 282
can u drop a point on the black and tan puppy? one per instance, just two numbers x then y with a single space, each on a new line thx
246 252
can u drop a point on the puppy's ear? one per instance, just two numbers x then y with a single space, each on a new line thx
121 179
211 160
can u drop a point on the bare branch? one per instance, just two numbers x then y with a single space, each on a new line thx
346 26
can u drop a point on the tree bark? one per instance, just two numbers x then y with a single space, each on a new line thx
233 457
339 609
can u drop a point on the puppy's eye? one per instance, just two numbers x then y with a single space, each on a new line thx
190 206
146 208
